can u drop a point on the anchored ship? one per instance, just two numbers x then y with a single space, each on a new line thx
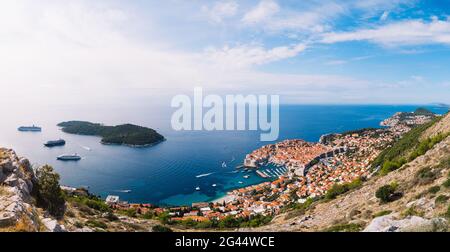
30 128
59 142
68 157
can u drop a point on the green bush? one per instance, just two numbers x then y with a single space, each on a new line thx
386 193
90 201
441 199
161 229
344 228
96 224
389 166
48 191
412 211
382 213
446 184
164 217
425 176
447 214
205 224
338 189
434 189
130 212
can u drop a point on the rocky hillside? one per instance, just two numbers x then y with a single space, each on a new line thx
17 206
81 212
417 200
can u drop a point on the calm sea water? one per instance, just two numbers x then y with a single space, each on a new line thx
167 173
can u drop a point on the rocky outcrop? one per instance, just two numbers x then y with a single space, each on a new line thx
390 223
17 209
53 225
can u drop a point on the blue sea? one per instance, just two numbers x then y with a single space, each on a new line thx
168 173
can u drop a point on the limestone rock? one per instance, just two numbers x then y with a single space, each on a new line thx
388 223
7 219
52 225
7 166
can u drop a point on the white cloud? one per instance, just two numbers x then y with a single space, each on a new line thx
411 32
263 11
272 17
384 16
221 10
249 55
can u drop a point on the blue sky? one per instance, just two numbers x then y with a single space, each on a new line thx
373 51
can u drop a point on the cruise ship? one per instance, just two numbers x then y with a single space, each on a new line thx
59 142
67 157
30 128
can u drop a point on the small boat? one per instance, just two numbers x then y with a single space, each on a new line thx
214 185
247 176
59 142
123 191
30 128
204 175
224 165
197 188
69 157
240 182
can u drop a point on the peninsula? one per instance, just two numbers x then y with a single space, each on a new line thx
126 134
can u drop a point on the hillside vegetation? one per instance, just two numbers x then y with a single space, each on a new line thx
409 147
127 134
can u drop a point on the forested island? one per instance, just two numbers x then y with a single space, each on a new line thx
126 134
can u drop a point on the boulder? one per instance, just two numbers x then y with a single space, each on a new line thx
6 166
389 223
53 225
7 219
12 180
84 230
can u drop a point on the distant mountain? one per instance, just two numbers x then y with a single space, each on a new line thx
126 134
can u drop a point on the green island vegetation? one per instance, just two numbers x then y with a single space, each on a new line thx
407 148
417 112
126 134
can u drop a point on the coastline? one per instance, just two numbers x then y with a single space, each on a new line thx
226 198
134 145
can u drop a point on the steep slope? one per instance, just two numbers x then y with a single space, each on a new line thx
442 126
